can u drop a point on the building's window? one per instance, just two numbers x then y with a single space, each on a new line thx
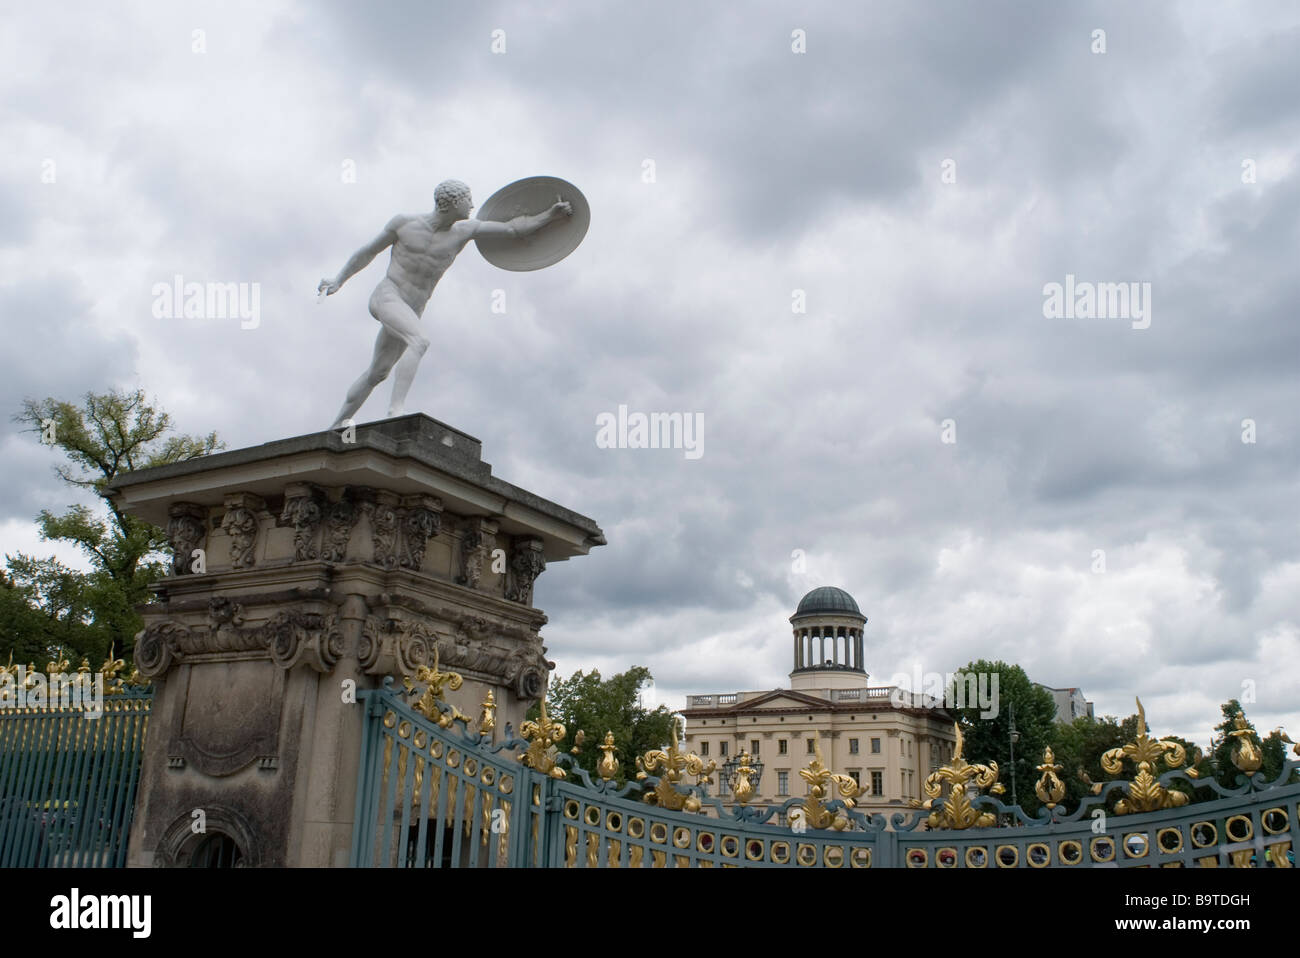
722 749
704 748
812 745
780 746
877 783
753 748
875 746
853 746
856 775
902 782
783 783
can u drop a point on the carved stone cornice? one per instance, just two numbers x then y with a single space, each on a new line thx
187 530
527 562
291 637
340 518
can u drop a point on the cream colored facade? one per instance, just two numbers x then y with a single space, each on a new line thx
885 738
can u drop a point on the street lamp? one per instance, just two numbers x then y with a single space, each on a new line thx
1015 737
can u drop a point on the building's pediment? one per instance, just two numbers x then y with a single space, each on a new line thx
784 699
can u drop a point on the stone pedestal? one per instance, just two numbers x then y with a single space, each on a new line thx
303 570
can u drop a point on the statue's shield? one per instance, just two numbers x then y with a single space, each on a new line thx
552 242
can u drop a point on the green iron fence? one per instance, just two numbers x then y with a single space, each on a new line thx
68 782
432 794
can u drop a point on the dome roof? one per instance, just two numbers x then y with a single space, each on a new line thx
827 598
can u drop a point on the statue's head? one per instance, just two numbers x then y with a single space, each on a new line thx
453 196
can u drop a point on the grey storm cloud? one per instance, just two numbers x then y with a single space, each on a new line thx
777 174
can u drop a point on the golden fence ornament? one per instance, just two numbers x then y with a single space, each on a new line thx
607 767
958 811
434 681
742 788
1245 754
674 763
1050 789
1145 794
821 782
487 721
541 737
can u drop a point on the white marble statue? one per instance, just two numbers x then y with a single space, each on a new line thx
424 245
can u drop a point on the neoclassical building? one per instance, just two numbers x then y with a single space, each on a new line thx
889 742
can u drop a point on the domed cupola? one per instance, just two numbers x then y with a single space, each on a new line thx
828 632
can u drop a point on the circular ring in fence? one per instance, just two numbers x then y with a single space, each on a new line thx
1274 821
636 828
507 784
1204 834
1240 828
471 766
945 858
704 842
682 837
592 815
754 850
806 855
658 833
860 857
1102 850
917 858
390 719
489 775
453 758
1170 840
1136 845
421 738
1038 855
436 751
1007 856
731 846
1069 852
614 822
977 857
404 730
833 856
780 853
571 808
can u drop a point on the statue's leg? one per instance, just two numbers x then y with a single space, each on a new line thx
403 374
388 347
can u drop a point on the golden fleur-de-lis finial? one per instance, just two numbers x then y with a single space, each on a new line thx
579 740
821 782
435 681
1145 794
965 782
607 767
1050 789
541 737
674 764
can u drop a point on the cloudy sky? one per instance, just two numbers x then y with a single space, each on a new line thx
913 179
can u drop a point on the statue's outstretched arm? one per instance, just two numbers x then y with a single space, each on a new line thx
522 226
362 257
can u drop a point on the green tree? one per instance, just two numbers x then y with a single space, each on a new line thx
586 702
109 435
989 739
